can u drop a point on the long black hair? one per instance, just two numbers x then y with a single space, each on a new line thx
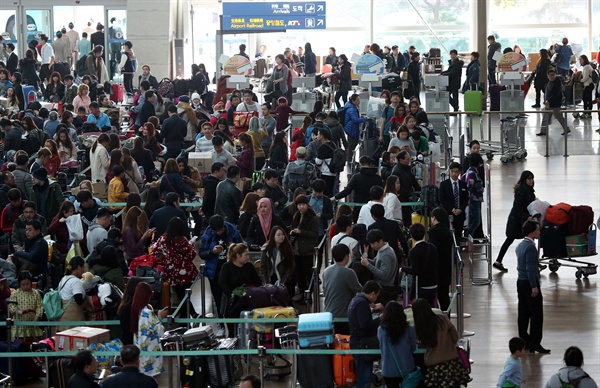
524 176
175 229
393 320
426 323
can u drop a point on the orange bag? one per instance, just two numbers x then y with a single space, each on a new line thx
343 364
558 214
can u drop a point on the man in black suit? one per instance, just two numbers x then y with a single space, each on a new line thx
423 259
12 63
391 231
454 198
441 236
408 183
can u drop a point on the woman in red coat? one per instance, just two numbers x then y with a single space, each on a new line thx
299 137
58 227
177 254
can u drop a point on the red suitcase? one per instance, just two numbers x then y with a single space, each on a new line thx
118 91
581 219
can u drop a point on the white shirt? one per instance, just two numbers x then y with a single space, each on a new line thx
393 207
243 107
47 53
70 286
364 217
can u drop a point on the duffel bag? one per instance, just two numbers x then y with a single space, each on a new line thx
266 296
559 214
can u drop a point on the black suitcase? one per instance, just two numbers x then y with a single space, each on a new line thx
199 337
19 364
495 97
224 370
61 371
552 240
309 363
193 373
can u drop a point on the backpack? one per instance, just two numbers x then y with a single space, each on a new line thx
32 141
52 303
150 276
595 76
166 88
299 176
571 383
342 115
338 160
80 65
308 136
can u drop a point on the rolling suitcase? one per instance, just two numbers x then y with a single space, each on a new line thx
315 329
495 97
581 219
201 337
29 94
117 92
552 240
343 364
473 101
61 371
308 364
272 312
194 371
19 364
224 370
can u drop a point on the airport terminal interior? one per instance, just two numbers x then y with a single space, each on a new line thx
171 35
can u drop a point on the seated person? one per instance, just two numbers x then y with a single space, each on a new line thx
130 375
98 118
34 255
85 367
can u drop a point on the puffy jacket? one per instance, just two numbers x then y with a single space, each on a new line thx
454 73
353 120
361 184
310 63
48 199
308 238
210 240
345 77
570 373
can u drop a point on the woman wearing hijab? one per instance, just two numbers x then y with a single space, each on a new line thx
262 223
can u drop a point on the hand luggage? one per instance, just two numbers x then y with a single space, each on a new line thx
577 245
19 364
315 329
559 214
343 364
272 312
581 219
193 372
63 68
259 297
495 97
117 92
29 94
315 370
60 372
224 370
473 101
552 240
199 337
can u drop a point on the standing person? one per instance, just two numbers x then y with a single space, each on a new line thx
305 233
586 80
438 336
541 76
62 48
454 73
441 237
71 290
47 195
398 341
493 47
147 329
408 183
572 373
74 40
85 366
423 259
553 97
391 203
563 64
277 260
177 254
352 123
324 159
128 66
511 375
473 70
262 223
217 173
84 46
345 78
531 308
524 195
414 74
124 310
279 77
12 62
268 123
258 135
94 64
360 184
229 197
47 54
147 76
363 330
384 266
340 285
27 66
475 190
28 306
310 61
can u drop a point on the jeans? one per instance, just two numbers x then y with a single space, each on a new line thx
560 71
364 370
474 216
538 96
587 97
128 83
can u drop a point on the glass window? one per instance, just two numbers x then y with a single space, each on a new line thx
8 28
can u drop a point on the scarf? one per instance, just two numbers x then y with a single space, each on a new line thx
265 219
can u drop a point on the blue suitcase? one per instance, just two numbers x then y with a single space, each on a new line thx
315 329
29 95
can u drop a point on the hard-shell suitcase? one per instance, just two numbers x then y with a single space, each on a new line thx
552 240
343 364
117 92
495 97
29 94
472 101
224 370
315 329
194 371
581 219
199 337
272 312
61 371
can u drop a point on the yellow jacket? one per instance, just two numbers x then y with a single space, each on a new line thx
116 192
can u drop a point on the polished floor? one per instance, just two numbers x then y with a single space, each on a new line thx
571 306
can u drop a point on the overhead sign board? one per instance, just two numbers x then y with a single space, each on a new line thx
274 16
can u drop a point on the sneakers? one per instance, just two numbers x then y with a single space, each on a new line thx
498 265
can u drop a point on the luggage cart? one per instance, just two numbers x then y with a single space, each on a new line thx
512 138
4 381
288 340
576 97
583 268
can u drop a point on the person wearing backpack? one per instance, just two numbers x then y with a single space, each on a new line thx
324 160
71 290
298 173
351 120
571 375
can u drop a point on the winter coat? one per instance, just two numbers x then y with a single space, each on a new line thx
308 239
524 195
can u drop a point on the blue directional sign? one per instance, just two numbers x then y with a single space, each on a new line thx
274 16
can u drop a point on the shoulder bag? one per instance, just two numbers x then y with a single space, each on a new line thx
411 380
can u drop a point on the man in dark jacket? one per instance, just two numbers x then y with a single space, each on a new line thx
454 73
363 327
34 255
360 184
12 139
159 219
454 197
553 97
396 62
23 178
148 107
273 191
174 129
47 196
229 197
85 366
217 173
492 49
19 230
408 183
130 375
440 236
391 231
423 260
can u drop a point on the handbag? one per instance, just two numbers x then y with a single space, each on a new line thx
242 119
411 380
370 343
464 358
556 58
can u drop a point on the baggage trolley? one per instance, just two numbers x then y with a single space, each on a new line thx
583 268
512 138
288 340
575 97
4 381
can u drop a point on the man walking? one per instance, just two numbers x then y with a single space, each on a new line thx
553 97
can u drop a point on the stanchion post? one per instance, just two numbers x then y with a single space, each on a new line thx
9 325
547 143
202 289
460 321
566 132
188 310
489 119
